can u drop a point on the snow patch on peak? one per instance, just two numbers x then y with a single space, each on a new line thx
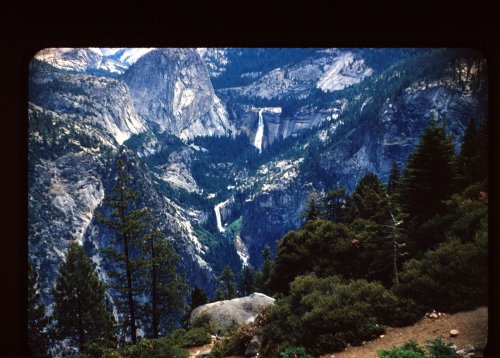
345 71
131 55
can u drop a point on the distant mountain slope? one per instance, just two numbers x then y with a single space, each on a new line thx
227 142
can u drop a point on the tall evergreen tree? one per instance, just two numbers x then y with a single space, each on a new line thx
483 150
228 283
313 210
219 295
198 297
394 177
337 205
162 283
38 322
79 303
263 277
247 284
428 180
128 224
369 199
473 157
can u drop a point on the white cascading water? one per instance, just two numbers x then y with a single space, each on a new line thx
218 216
260 132
242 251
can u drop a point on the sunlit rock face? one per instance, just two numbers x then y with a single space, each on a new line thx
238 311
171 89
89 106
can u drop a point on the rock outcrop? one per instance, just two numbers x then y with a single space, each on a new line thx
171 89
236 311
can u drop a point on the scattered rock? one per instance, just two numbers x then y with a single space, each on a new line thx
236 311
203 354
466 351
454 333
433 315
254 346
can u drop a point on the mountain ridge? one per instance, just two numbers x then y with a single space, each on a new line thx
196 139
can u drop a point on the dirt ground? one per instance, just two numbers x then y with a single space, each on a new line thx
194 351
472 325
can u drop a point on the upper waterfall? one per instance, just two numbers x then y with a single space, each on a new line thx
260 132
218 216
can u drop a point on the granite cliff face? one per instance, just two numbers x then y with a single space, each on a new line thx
171 89
78 123
239 311
274 126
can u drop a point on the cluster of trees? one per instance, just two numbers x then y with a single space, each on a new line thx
247 281
245 60
149 293
388 253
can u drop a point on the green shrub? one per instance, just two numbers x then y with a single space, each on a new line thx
295 352
452 277
410 349
227 346
203 321
325 314
439 349
191 338
197 337
436 349
95 350
235 342
162 347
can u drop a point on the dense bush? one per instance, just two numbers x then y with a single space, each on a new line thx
162 347
238 338
295 352
203 322
325 314
410 349
437 349
172 346
453 276
321 247
196 336
234 343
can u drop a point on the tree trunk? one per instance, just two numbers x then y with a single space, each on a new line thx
131 305
81 331
154 296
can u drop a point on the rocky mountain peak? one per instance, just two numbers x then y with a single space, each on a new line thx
171 89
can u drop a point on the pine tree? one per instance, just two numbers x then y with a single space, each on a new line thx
369 199
264 275
337 205
469 157
483 150
428 180
313 210
38 322
219 295
394 176
473 157
228 283
198 297
128 224
79 305
247 284
162 283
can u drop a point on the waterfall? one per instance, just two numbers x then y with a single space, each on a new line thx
260 132
218 216
242 250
